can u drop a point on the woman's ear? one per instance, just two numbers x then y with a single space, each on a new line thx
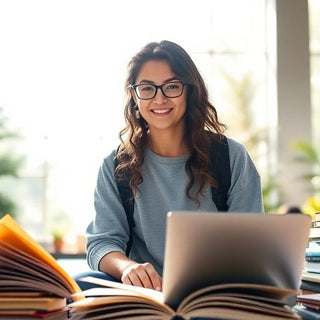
133 95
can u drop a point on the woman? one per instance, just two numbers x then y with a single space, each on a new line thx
164 150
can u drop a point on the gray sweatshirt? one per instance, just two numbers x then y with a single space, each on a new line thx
162 190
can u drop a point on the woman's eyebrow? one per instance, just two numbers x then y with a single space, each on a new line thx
165 81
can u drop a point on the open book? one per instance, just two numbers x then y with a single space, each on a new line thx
236 301
30 278
221 266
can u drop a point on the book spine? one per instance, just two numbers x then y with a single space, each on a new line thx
312 269
313 258
310 286
306 314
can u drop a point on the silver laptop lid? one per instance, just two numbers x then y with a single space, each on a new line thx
209 248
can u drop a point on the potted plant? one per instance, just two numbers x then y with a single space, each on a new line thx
60 224
58 241
309 153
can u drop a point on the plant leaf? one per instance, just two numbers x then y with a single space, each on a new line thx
306 150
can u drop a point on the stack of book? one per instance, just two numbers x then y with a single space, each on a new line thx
32 283
312 258
308 306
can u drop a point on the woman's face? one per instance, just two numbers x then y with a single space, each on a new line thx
160 112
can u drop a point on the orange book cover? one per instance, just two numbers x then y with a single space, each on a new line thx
26 265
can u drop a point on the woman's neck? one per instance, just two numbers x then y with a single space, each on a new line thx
167 145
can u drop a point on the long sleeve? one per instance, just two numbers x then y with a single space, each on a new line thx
245 194
109 229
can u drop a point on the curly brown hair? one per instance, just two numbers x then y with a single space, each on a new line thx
200 118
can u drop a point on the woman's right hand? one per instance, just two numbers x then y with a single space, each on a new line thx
118 265
142 275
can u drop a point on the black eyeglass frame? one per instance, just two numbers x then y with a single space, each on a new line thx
135 86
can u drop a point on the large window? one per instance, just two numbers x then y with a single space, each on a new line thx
62 68
314 12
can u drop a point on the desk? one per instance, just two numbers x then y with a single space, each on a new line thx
72 263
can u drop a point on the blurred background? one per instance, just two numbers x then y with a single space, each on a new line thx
62 70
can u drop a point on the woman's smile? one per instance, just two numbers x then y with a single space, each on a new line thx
162 111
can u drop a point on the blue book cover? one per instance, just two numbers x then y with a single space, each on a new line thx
313 253
312 266
306 313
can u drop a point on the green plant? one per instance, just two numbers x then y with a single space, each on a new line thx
270 194
308 153
241 94
58 234
311 206
59 224
9 166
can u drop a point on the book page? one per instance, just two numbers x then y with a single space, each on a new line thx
18 285
310 276
122 310
249 298
14 262
236 314
148 293
258 291
14 235
236 303
106 297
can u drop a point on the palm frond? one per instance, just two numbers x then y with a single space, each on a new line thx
308 152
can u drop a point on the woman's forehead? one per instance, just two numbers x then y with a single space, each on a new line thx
156 71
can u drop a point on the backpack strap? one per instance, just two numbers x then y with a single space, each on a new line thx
221 171
127 199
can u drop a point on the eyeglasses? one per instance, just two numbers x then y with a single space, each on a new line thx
147 91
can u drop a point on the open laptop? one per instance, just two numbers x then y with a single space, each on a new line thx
212 248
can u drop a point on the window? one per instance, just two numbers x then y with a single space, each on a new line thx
62 69
314 12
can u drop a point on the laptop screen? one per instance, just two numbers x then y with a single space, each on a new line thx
210 248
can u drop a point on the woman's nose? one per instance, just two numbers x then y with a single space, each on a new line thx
160 97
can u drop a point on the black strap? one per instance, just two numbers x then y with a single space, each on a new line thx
221 171
127 199
220 168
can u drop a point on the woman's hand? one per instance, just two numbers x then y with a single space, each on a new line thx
142 275
118 265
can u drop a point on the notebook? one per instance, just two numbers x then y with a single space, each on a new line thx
211 248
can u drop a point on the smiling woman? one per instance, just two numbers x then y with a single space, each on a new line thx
166 160
62 67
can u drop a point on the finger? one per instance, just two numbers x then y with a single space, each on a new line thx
132 278
145 279
138 276
156 282
154 277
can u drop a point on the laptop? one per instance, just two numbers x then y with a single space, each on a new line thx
205 248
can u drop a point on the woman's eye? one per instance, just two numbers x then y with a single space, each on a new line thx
147 88
173 86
